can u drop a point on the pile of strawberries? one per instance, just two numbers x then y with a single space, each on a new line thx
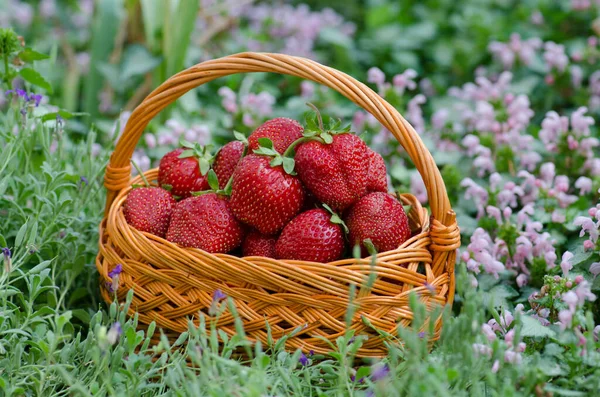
285 192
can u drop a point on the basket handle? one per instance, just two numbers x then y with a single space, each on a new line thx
118 171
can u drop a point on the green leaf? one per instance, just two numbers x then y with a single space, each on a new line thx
137 61
288 164
187 153
186 144
213 180
240 137
266 143
21 235
204 166
276 161
35 78
28 55
167 187
533 328
2 241
327 138
62 113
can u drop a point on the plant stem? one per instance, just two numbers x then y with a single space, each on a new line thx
6 74
140 173
319 118
298 141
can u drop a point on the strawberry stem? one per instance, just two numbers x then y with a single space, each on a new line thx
140 173
319 118
335 218
288 152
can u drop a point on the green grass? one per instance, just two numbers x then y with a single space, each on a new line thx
54 330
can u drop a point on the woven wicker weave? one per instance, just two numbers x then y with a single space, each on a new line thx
173 284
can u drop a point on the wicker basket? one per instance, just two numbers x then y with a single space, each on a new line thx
173 284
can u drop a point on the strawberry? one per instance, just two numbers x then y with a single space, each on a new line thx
311 236
257 244
205 222
184 170
263 194
336 172
377 177
380 217
149 209
226 161
281 131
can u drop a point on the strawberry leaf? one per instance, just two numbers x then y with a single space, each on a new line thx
240 137
288 165
266 143
202 192
187 153
276 161
327 138
335 218
167 187
204 166
186 144
213 180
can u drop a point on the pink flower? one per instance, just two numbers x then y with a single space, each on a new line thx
595 269
488 332
150 140
440 118
566 318
512 357
565 263
495 366
307 89
558 217
555 56
414 112
587 226
404 81
482 350
588 245
553 126
376 76
417 187
576 75
580 123
584 184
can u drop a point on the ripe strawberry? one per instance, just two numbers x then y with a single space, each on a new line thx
226 161
380 217
205 222
264 196
311 236
377 177
183 171
257 244
149 209
336 172
282 131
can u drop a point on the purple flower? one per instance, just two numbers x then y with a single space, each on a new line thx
379 372
311 353
218 296
115 271
555 56
7 253
84 180
303 360
422 334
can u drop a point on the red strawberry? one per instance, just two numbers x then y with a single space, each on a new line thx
226 161
263 196
205 222
311 236
257 244
282 131
149 209
182 175
336 173
377 178
380 217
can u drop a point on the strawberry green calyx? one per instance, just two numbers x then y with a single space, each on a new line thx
336 219
201 153
316 128
240 137
265 148
213 182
